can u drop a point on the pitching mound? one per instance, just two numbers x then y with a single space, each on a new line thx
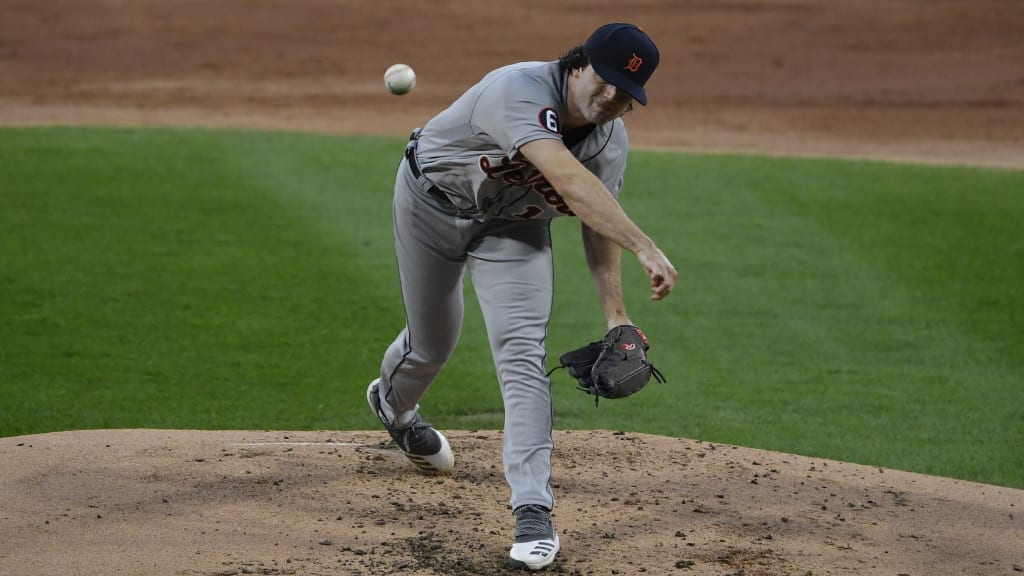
223 503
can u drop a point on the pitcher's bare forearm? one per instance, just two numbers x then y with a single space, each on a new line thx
585 194
595 206
604 258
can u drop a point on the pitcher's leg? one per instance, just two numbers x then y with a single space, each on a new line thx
431 260
511 269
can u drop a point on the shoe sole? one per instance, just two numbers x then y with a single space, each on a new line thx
548 548
438 463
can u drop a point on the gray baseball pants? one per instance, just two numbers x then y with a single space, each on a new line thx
510 265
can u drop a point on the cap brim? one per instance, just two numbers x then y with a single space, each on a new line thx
622 82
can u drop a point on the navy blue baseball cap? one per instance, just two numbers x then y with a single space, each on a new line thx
625 56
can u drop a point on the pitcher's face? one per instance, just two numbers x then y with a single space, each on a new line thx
595 100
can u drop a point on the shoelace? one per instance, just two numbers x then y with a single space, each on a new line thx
418 434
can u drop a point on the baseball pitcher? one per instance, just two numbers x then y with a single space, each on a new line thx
476 191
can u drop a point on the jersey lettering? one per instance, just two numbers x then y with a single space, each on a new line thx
529 212
517 173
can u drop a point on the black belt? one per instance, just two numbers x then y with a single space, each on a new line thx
410 155
435 192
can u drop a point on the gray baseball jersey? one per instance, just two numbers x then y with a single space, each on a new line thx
471 150
465 199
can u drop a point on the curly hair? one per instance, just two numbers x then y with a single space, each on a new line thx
573 59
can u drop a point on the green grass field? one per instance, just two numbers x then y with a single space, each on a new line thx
866 312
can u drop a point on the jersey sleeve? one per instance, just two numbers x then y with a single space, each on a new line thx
514 110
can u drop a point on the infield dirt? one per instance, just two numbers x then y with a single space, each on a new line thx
902 80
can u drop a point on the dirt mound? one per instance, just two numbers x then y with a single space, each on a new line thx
222 503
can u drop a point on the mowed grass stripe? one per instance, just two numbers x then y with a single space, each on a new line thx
189 279
861 311
818 306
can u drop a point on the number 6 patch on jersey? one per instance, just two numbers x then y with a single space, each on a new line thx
549 120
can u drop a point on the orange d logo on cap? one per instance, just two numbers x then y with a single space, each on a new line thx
634 63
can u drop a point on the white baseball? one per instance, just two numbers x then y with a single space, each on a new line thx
400 79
